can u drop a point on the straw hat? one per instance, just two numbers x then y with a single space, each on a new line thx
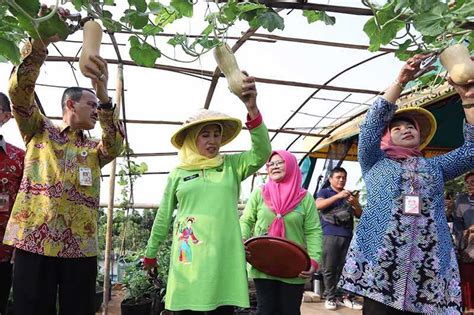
425 119
231 126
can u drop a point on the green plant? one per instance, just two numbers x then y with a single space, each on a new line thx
137 283
420 26
163 259
144 19
430 25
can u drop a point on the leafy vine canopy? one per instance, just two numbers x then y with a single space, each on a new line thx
409 25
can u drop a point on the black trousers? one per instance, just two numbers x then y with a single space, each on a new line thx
278 298
5 284
334 256
372 307
221 310
38 281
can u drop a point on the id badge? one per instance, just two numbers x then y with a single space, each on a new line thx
85 176
4 203
411 204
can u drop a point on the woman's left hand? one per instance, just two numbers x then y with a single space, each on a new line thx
411 69
466 91
308 274
249 95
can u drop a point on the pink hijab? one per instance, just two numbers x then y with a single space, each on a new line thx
397 152
284 196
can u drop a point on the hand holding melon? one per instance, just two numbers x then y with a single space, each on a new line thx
92 37
458 62
226 61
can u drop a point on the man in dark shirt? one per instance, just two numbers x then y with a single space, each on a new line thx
11 171
337 207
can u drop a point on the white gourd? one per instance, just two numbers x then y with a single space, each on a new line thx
226 61
457 61
92 37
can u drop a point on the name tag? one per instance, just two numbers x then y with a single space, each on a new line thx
190 177
411 204
4 203
85 176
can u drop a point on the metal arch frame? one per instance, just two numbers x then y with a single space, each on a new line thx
327 82
215 75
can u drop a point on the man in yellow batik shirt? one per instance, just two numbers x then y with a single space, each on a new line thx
53 224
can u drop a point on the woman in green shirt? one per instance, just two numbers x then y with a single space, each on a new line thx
207 265
283 208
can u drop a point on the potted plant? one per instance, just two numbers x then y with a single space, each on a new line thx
428 26
139 289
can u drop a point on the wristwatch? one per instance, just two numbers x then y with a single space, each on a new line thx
107 105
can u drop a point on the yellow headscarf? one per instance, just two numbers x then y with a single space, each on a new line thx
189 156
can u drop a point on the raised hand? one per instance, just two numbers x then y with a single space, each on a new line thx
249 95
99 77
42 43
411 70
466 91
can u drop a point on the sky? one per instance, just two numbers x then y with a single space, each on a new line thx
153 94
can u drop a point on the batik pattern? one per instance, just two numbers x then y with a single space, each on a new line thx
405 261
53 214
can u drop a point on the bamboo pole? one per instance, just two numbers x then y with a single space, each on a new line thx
110 207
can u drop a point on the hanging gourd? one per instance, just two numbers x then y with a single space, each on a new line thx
226 61
457 61
92 37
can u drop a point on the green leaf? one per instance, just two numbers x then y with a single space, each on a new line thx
432 23
208 43
178 40
144 54
270 21
314 16
155 7
184 7
250 6
390 30
77 4
467 9
373 32
422 6
401 4
9 50
231 11
151 29
109 23
140 5
166 16
136 19
250 12
108 2
134 41
401 52
208 30
53 26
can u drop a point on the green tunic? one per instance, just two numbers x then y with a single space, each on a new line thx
207 264
301 226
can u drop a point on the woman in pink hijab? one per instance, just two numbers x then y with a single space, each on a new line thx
282 208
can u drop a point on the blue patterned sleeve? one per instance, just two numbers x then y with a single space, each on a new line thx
459 161
371 132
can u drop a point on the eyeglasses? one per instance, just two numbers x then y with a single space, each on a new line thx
275 164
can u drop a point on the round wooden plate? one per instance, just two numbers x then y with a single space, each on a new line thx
277 256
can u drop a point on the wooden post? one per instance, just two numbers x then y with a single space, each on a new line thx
110 208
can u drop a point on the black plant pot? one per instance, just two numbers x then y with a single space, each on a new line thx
142 307
99 298
101 285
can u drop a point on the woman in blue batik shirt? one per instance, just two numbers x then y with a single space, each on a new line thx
401 258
